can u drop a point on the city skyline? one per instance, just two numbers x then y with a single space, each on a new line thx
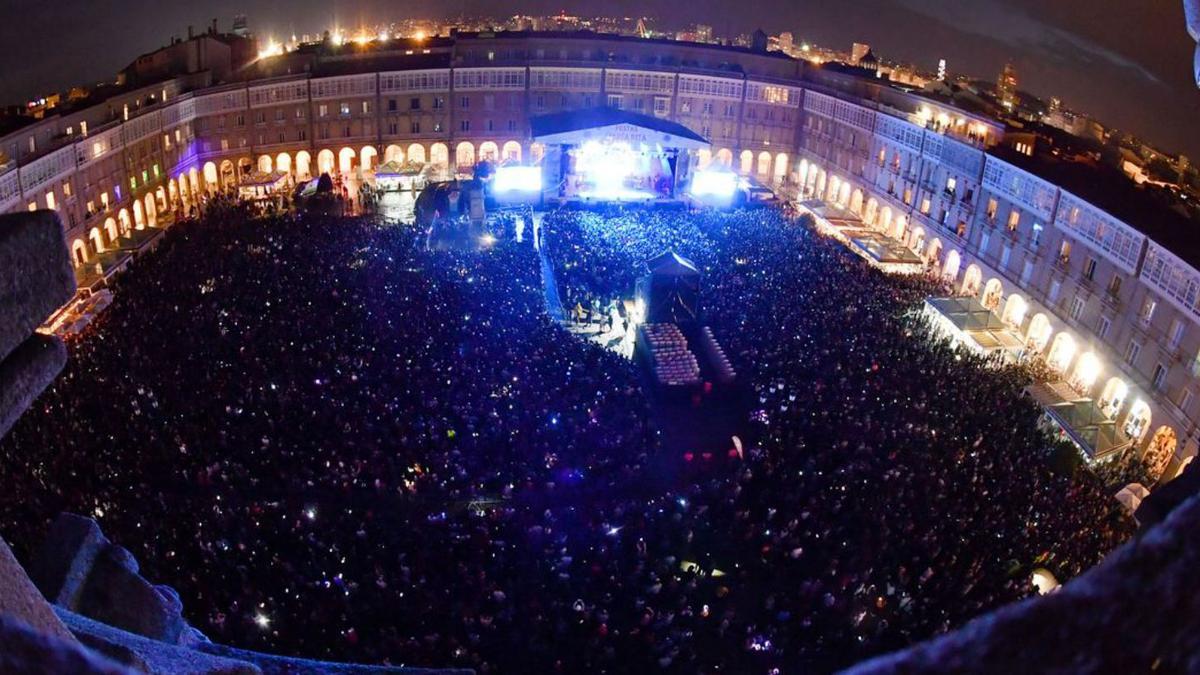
1128 66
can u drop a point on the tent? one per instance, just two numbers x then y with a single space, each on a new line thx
670 290
1131 496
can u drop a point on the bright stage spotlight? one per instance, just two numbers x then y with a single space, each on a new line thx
510 179
719 185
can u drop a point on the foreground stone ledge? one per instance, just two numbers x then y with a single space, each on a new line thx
35 274
144 655
26 373
1133 613
33 652
20 599
271 664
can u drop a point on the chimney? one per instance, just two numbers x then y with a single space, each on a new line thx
191 32
214 27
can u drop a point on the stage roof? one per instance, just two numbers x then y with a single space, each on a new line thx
577 126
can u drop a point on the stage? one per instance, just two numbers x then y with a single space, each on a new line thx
605 155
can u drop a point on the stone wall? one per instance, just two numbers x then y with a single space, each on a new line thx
36 279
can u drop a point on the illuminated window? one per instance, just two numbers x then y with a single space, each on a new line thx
1014 218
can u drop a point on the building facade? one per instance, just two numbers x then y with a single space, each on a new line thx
1117 314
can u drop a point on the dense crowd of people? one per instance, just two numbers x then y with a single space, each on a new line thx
339 444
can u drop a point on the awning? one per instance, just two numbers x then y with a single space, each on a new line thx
1080 419
575 127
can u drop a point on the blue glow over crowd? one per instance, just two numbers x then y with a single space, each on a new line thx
338 444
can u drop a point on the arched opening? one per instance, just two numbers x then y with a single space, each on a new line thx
439 156
871 212
899 227
96 239
139 215
126 224
820 184
1086 372
346 159
173 190
265 164
781 167
185 193
194 181
972 280
464 156
283 163
844 194
725 158
933 254
1061 352
764 164
1161 449
325 162
489 152
747 162
512 151
1137 421
993 291
110 227
1112 397
885 219
210 175
303 165
79 252
1014 310
536 152
161 195
367 157
704 157
416 153
151 211
917 240
393 153
950 269
856 201
245 168
1038 335
228 174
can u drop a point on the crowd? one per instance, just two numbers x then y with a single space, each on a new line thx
339 444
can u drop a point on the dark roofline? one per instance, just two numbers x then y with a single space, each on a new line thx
589 118
593 35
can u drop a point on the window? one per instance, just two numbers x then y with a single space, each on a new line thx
1014 219
323 110
1055 288
490 125
489 102
925 205
464 102
662 106
1185 400
1089 269
464 125
1176 334
1147 313
1026 273
391 105
1103 326
415 127
414 103
1064 252
366 107
512 125
1077 305
992 207
614 101
1160 377
1005 256
344 109
439 102
1114 285
984 240
1132 352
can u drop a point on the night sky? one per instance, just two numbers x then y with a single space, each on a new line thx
1128 62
